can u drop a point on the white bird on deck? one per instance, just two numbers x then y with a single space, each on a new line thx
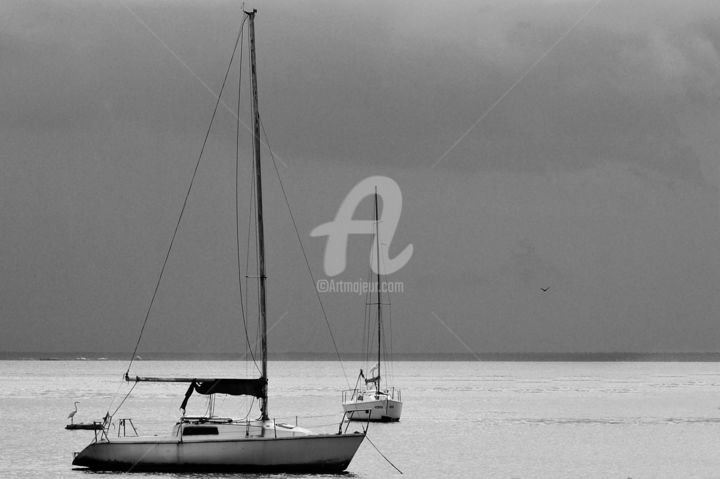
72 413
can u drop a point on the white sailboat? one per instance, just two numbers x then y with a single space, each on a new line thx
210 443
371 401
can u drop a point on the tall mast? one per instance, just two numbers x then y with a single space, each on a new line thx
260 231
379 297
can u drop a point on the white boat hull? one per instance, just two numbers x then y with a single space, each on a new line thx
380 410
314 453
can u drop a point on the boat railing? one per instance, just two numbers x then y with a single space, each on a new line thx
347 424
101 431
341 423
393 392
122 428
352 394
348 393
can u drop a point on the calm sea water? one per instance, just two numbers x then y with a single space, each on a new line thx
460 419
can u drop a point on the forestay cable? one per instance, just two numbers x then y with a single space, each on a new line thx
185 201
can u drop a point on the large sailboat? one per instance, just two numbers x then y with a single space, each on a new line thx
371 399
211 443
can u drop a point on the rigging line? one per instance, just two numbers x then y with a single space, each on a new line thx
258 190
370 320
383 455
186 66
251 215
390 360
302 248
237 199
366 326
117 392
516 83
389 357
256 238
124 399
252 230
363 346
357 381
255 229
249 408
272 326
382 347
185 201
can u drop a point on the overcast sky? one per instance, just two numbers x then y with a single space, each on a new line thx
568 144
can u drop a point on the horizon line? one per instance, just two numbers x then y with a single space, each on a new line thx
354 356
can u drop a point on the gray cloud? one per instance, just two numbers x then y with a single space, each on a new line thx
597 173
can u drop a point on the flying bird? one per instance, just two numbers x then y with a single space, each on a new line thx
545 290
72 413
